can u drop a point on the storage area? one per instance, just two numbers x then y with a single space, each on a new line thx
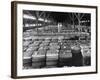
56 39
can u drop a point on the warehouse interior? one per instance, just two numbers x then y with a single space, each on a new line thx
56 39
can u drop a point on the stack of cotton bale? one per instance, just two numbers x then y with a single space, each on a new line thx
38 59
86 52
65 55
52 58
65 58
77 56
27 57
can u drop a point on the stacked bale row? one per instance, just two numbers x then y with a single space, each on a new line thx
50 52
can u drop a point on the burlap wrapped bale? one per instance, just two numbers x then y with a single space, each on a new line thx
65 58
53 44
27 57
43 48
86 56
48 39
34 47
65 46
37 43
52 58
38 59
54 40
26 43
77 55
44 43
55 47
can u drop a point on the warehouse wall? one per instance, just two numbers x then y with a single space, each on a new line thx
5 40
